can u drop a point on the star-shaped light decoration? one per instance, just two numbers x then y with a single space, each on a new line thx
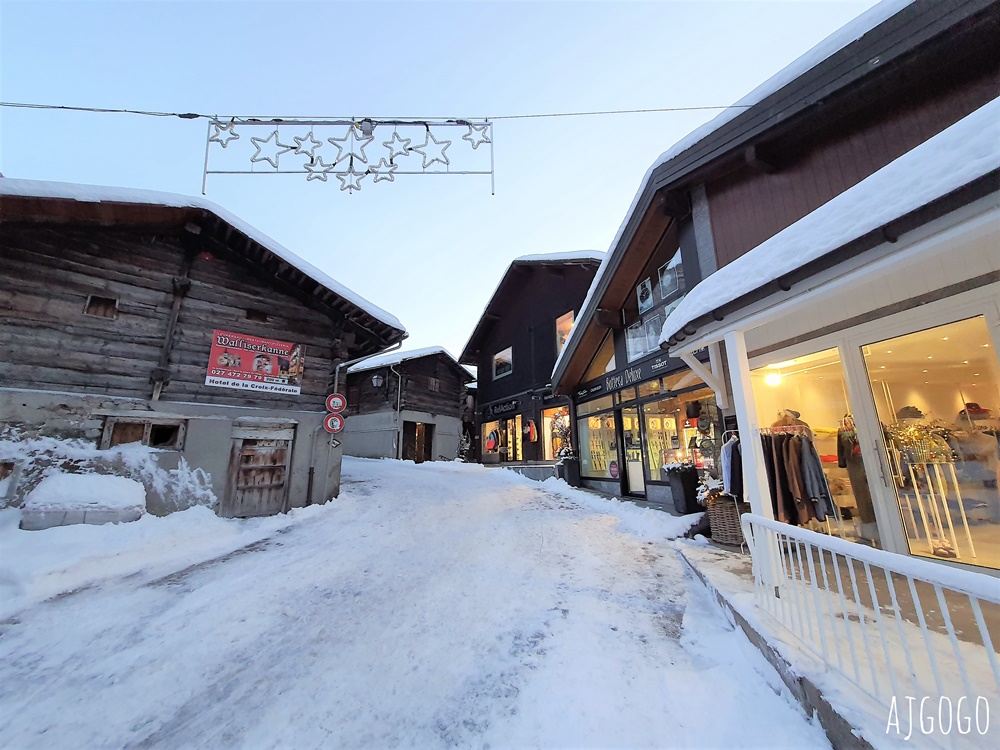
383 171
351 145
274 152
397 146
301 146
477 135
317 169
220 128
350 180
433 150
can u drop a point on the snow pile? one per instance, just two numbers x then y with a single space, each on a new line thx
964 152
168 490
86 492
433 605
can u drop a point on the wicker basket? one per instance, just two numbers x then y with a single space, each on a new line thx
724 513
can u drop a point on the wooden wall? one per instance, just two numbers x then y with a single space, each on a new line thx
748 206
364 398
47 342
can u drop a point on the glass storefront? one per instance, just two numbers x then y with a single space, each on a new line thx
555 432
937 395
502 439
597 438
813 461
663 421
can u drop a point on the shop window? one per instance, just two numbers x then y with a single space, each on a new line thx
807 424
555 432
683 428
671 276
598 404
101 307
604 360
598 446
937 394
564 324
158 433
503 363
492 438
626 394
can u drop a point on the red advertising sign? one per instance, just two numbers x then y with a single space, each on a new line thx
333 422
254 364
336 402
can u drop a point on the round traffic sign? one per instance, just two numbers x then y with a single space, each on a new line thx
333 422
336 402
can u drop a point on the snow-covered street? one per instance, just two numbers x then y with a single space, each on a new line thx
439 605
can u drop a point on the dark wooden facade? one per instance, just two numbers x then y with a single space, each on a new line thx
434 384
173 283
522 315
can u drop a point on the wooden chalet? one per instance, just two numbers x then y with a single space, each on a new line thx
129 315
519 421
839 233
406 404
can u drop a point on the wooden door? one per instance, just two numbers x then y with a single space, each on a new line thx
258 475
425 441
409 441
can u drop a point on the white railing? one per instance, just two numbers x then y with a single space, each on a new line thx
893 625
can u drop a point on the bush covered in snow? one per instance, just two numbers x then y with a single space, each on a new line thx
167 490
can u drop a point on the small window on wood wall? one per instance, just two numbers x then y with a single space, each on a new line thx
257 315
101 307
433 384
156 434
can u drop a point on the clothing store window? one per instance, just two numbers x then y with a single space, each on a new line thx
598 446
564 324
937 394
683 428
555 432
604 360
812 457
492 437
503 363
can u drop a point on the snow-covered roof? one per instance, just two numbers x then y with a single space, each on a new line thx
839 39
106 194
394 358
964 152
583 255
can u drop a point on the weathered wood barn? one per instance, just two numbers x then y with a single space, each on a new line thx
129 315
406 404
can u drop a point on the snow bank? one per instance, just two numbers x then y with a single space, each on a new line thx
86 492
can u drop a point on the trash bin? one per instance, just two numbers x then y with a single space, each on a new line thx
568 469
684 490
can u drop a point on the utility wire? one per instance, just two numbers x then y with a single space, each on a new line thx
196 116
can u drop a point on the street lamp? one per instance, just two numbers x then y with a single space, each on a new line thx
377 380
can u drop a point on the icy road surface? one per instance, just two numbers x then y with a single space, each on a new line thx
431 606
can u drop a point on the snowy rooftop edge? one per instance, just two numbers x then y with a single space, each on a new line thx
108 194
560 257
850 32
956 156
394 358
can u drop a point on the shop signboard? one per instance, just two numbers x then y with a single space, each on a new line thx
504 407
250 363
631 375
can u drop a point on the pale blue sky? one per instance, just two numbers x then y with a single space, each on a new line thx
428 249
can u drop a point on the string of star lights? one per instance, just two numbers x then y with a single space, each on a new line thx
350 149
